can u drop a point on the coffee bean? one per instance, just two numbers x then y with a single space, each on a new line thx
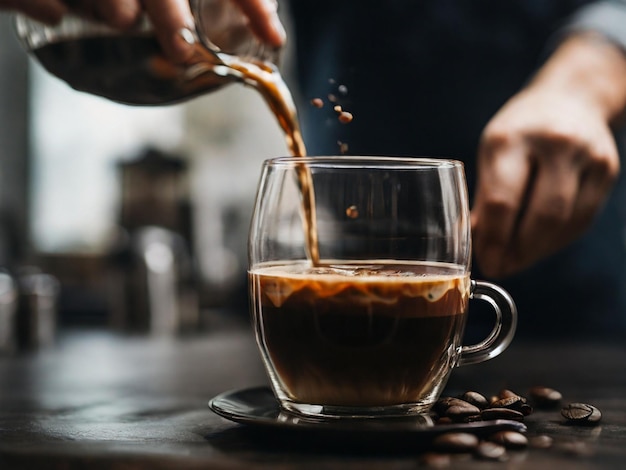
512 402
476 399
526 409
444 403
472 418
460 412
455 442
502 413
545 397
509 439
582 414
436 460
506 393
490 451
541 442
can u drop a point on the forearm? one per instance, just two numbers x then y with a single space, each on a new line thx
590 68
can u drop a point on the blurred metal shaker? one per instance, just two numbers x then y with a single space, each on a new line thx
36 316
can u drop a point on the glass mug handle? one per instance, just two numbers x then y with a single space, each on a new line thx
503 331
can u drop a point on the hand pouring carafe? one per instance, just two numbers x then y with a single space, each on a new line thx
129 67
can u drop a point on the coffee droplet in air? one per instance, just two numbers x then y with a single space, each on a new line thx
345 117
352 212
317 102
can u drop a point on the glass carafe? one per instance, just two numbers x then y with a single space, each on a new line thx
130 67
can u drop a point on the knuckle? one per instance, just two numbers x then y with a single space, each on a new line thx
494 138
120 15
605 166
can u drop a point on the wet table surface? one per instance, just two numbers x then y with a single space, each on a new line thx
101 400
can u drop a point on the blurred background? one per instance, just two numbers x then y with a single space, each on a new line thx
100 202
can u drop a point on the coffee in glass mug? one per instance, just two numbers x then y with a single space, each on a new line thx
372 326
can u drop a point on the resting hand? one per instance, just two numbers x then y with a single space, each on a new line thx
547 160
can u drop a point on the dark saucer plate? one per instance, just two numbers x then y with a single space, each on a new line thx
257 407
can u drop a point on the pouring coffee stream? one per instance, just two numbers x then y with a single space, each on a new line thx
267 80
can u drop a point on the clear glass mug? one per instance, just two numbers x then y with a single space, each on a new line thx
130 68
369 321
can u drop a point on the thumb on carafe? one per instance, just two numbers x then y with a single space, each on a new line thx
264 20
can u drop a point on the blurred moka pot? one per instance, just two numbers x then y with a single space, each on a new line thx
130 67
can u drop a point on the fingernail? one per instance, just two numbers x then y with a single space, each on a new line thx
188 36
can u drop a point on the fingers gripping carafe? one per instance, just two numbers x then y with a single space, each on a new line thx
129 67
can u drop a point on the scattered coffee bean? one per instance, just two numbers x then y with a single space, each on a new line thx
526 409
502 413
476 399
436 460
472 418
541 442
506 393
581 414
444 403
455 442
511 402
509 439
345 117
460 412
490 451
507 405
317 102
545 397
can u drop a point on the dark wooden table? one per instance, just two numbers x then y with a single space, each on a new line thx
101 400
